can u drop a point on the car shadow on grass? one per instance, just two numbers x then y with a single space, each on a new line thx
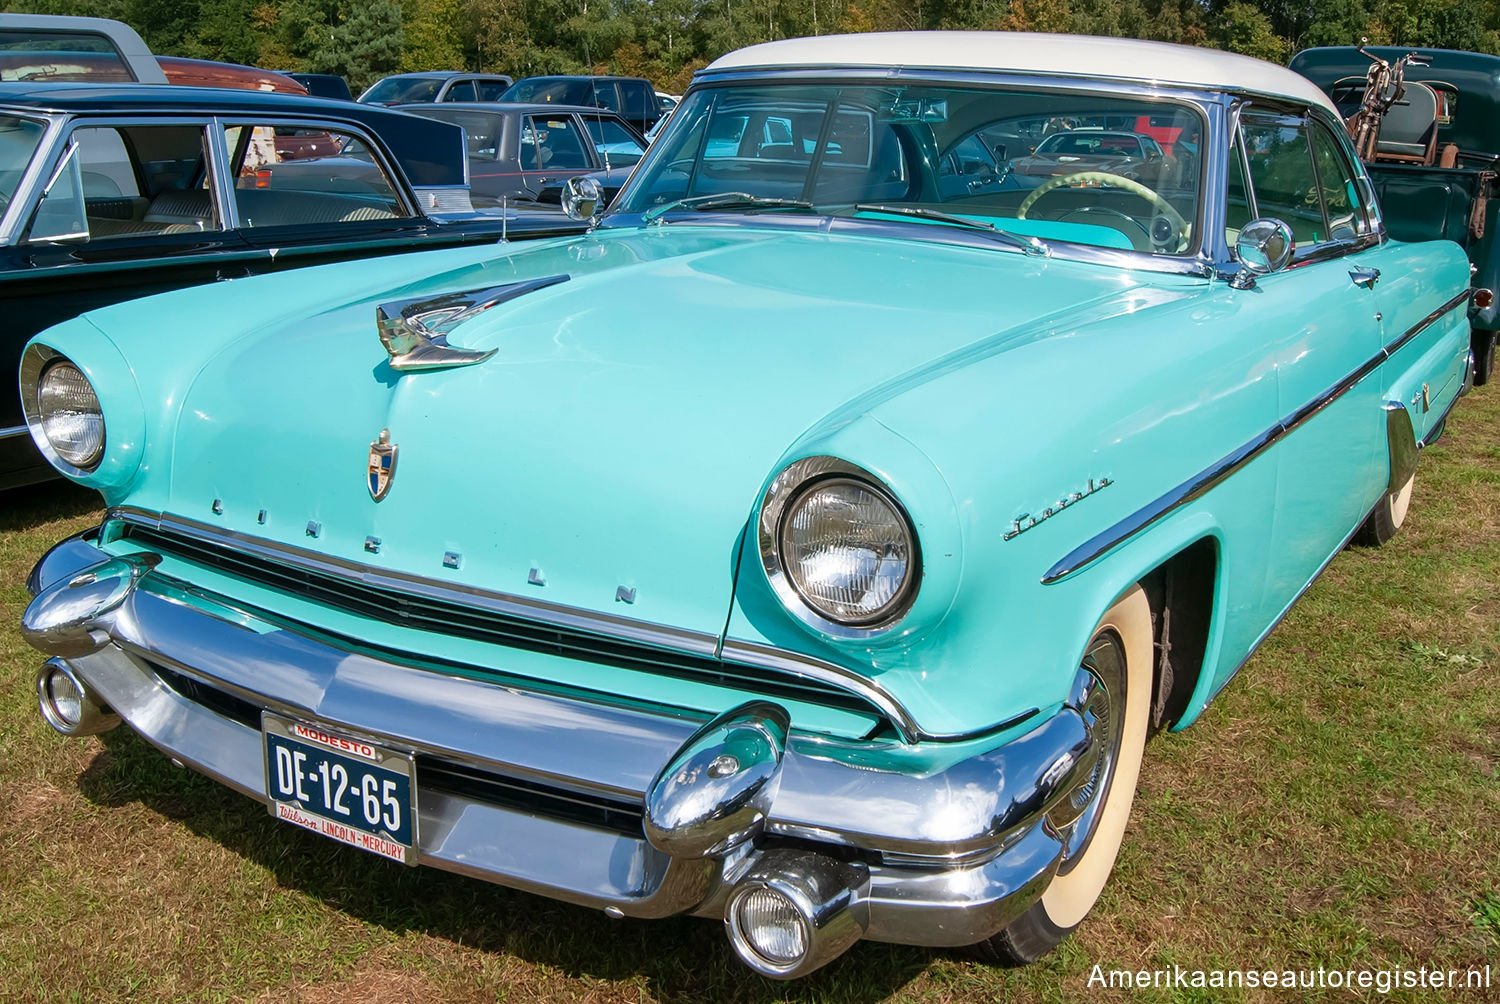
681 959
23 509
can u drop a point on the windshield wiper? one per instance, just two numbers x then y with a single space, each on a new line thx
724 200
1030 245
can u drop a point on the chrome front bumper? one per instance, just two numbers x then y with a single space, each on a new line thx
941 859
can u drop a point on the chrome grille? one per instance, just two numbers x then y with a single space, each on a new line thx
448 617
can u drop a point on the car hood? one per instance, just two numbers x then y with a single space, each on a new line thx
621 432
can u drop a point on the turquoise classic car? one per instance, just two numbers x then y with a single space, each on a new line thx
814 543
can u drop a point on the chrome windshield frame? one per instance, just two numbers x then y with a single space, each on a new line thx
34 177
1212 252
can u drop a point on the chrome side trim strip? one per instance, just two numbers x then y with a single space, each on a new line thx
656 636
1205 480
15 430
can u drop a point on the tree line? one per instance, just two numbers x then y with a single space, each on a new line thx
667 40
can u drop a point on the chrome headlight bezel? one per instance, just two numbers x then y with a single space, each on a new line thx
36 361
790 486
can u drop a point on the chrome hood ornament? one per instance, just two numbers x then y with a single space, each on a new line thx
415 332
382 468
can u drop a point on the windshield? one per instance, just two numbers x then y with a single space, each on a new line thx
402 90
562 91
930 151
18 141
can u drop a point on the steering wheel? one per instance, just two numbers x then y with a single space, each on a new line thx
1141 243
1179 227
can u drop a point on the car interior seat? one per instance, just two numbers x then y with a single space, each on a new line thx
1408 132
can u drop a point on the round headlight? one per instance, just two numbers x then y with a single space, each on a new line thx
70 417
846 550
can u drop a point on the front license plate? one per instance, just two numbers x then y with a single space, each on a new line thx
341 787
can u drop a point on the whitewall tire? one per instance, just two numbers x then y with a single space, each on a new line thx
1120 655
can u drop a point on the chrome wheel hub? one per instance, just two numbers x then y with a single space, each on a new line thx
1102 671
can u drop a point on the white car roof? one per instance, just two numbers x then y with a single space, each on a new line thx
1026 52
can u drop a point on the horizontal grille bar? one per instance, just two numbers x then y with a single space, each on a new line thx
459 620
437 774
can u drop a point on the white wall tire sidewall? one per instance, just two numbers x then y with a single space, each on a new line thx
1400 503
1070 897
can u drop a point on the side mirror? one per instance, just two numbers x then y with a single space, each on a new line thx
1263 247
580 198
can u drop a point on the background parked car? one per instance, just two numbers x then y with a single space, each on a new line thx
1093 149
55 47
420 88
632 98
208 73
324 85
113 192
58 49
521 151
1436 155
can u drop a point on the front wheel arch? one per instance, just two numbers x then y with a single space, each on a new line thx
1123 642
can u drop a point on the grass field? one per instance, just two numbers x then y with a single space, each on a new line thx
1338 806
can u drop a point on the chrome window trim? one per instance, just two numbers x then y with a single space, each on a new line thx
221 184
657 636
201 121
389 169
1205 480
70 124
1373 235
18 212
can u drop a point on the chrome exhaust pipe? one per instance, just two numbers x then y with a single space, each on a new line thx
68 705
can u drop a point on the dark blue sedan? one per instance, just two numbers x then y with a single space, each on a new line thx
109 192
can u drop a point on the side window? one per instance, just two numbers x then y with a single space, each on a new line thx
1239 209
613 142
128 181
1283 176
491 91
295 175
967 168
725 134
33 55
776 130
462 91
1346 217
637 100
552 144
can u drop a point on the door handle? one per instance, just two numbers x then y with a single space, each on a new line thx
1364 277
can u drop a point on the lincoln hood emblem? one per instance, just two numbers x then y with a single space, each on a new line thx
382 465
415 332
